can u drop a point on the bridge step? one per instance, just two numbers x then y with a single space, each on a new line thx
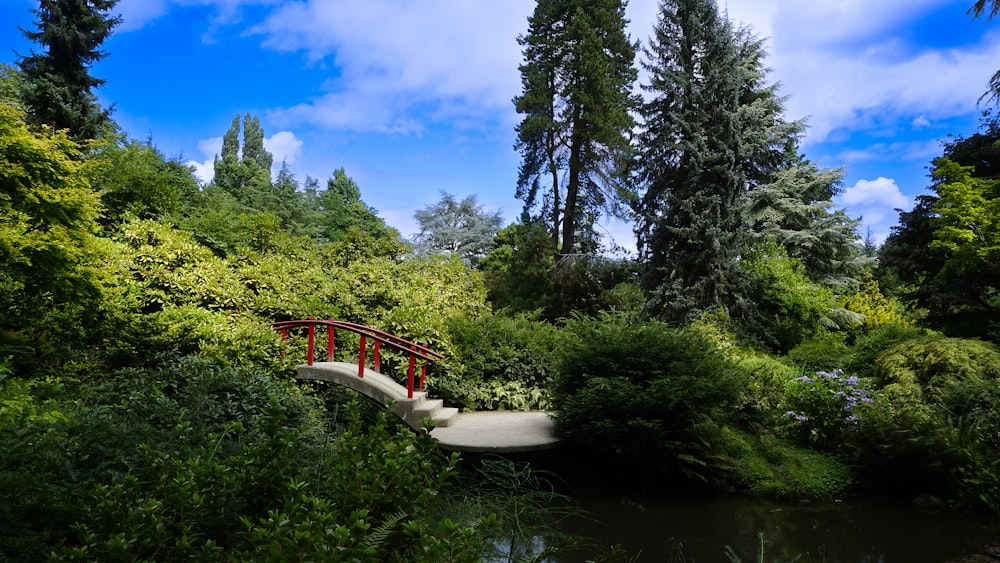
444 417
435 410
384 390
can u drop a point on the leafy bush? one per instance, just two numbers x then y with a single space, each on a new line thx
877 311
632 392
195 460
915 371
500 363
867 348
819 353
791 307
766 379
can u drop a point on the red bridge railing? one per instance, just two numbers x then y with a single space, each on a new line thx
413 350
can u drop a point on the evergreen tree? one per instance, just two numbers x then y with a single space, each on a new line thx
690 229
795 210
576 79
342 209
712 132
58 87
944 248
518 271
245 172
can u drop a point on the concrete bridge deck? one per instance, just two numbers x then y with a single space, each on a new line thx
485 431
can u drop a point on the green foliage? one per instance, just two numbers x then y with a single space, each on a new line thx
194 460
519 270
48 213
868 347
823 407
501 363
245 171
632 392
589 285
713 131
412 298
819 353
944 249
794 211
340 210
876 309
140 182
760 462
791 308
916 371
766 379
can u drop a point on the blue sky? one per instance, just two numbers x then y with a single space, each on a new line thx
413 97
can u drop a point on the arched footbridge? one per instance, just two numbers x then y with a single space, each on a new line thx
486 431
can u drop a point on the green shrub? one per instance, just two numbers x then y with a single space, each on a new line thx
501 363
632 392
825 351
877 311
791 307
192 460
861 360
766 379
915 371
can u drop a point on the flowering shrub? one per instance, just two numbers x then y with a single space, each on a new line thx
820 409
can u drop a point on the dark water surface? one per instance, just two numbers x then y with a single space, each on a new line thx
698 528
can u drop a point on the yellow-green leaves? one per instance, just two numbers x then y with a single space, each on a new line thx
48 210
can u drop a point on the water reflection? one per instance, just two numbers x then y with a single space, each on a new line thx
698 528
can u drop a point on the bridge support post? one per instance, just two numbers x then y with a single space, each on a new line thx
330 332
409 377
361 357
311 348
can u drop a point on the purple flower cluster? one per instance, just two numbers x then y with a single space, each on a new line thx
824 405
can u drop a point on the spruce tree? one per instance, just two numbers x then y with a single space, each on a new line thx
712 132
690 228
58 87
576 99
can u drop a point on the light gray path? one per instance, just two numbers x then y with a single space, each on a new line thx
498 431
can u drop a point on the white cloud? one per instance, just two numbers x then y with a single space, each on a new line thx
846 64
283 145
921 122
397 60
875 202
205 170
137 13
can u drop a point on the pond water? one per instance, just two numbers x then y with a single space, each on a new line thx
698 529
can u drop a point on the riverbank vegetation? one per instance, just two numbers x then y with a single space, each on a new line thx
148 411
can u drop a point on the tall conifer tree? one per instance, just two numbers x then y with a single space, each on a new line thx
58 87
690 228
577 78
245 171
712 131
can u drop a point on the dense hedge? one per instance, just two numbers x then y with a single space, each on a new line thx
196 460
